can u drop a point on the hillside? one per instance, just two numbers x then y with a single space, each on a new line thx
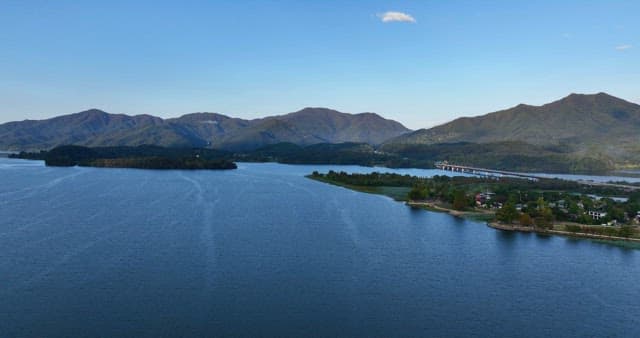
91 127
598 125
312 126
98 128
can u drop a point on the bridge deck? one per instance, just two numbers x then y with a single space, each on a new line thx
475 170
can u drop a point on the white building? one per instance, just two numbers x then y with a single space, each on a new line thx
597 214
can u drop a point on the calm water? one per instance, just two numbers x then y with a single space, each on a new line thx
263 251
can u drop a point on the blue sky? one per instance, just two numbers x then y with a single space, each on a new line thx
255 58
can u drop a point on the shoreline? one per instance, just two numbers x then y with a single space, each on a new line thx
457 213
478 215
616 173
516 228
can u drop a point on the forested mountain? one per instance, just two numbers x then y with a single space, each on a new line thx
598 125
98 128
575 118
579 133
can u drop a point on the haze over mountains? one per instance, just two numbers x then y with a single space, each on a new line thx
597 126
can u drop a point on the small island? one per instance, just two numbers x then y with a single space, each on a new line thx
547 206
142 157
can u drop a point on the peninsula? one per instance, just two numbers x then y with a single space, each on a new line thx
142 157
550 206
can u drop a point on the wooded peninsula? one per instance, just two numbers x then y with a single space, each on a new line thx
551 206
142 157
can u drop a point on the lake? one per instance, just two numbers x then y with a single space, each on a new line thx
264 251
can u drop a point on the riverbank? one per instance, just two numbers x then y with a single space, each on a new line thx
517 228
489 218
375 184
472 214
400 194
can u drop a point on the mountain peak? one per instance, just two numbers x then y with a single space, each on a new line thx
578 96
579 120
586 101
92 111
202 116
522 105
315 110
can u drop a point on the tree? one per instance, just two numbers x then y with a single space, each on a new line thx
525 220
544 219
541 204
460 200
507 213
615 213
418 192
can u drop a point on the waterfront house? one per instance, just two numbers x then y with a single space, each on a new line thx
483 198
560 204
597 214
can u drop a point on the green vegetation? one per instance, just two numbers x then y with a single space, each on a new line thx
143 157
398 192
96 128
508 213
516 156
622 231
543 205
505 155
323 153
578 133
555 137
162 163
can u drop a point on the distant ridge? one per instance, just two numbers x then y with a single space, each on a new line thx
596 124
95 127
575 118
578 133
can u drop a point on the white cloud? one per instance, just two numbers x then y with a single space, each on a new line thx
396 17
623 47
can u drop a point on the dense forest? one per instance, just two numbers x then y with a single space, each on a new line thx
142 157
515 156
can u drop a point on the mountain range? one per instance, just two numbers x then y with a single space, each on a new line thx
98 128
598 127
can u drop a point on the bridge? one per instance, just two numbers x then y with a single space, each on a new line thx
496 173
482 171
